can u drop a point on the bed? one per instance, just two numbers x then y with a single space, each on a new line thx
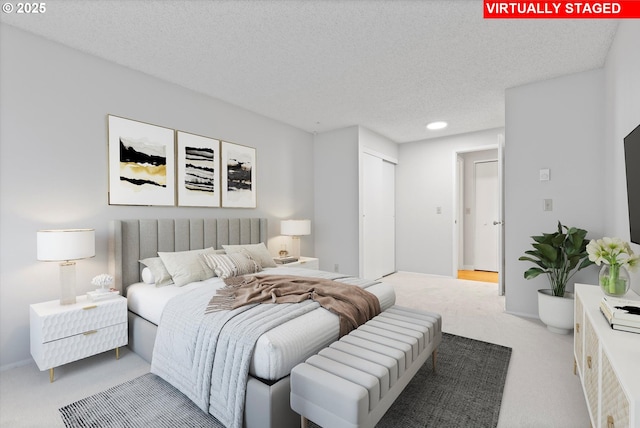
276 351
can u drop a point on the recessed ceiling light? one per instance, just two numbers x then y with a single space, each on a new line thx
436 125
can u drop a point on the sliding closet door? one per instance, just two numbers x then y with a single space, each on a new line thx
378 221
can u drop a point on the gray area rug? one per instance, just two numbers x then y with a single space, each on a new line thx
465 391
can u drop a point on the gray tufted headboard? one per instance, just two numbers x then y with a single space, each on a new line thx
133 240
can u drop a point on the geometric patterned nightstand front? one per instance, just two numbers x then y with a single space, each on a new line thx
61 334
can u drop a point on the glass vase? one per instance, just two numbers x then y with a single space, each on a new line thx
614 280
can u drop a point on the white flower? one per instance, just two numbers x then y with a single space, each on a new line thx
102 280
612 251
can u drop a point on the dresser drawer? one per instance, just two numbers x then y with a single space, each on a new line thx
82 345
49 324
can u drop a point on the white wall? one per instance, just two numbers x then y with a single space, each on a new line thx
622 81
335 157
424 181
378 143
556 124
53 163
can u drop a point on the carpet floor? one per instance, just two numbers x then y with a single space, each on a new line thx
466 390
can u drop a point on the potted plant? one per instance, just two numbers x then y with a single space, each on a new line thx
559 255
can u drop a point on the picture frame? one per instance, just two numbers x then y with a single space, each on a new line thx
198 171
141 163
238 166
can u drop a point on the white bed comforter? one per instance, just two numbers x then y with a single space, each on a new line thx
208 357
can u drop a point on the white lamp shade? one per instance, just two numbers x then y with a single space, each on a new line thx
66 244
295 227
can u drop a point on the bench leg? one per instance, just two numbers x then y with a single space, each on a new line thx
434 357
304 422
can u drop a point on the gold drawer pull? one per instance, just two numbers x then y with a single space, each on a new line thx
589 361
89 307
610 423
577 327
87 333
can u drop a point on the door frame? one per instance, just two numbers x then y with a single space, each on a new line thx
458 215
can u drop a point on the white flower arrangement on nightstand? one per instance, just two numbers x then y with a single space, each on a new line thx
103 281
104 291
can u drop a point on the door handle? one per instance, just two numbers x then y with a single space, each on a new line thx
495 223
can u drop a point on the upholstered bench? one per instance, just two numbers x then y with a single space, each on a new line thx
354 381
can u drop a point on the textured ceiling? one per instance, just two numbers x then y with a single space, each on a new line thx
390 66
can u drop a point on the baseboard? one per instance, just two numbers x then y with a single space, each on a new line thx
522 315
15 365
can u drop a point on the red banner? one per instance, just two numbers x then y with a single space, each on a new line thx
561 9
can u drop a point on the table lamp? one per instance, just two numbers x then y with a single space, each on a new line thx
295 229
66 246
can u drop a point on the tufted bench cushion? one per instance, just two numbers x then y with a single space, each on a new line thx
354 381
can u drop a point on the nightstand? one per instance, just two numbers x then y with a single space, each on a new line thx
61 334
304 262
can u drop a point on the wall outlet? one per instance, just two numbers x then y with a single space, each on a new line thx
438 210
547 205
336 267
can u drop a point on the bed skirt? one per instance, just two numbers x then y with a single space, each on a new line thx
267 404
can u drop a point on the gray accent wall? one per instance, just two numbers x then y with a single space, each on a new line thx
556 124
622 114
53 164
575 126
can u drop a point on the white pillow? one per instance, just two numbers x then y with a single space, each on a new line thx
161 276
258 252
229 265
186 266
147 276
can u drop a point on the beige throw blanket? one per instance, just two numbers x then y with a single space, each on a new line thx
353 305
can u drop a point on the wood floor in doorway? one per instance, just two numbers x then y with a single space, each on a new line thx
478 275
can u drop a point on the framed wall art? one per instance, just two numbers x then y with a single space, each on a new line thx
238 176
141 163
198 170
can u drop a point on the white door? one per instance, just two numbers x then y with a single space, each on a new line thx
487 216
378 228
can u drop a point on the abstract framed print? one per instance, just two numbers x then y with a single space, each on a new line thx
238 176
141 163
198 170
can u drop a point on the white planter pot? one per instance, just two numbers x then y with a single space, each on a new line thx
556 312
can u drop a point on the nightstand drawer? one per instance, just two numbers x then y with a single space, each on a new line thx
54 323
91 342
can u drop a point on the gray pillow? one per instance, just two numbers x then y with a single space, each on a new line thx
187 266
229 265
258 252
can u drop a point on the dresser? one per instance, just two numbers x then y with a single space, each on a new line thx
607 361
61 334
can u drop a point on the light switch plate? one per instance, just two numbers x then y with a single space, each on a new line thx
547 205
545 174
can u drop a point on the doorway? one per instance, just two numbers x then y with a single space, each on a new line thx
478 219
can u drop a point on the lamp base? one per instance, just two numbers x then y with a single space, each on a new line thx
295 243
67 283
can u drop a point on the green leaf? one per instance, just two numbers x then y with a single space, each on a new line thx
533 272
547 252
